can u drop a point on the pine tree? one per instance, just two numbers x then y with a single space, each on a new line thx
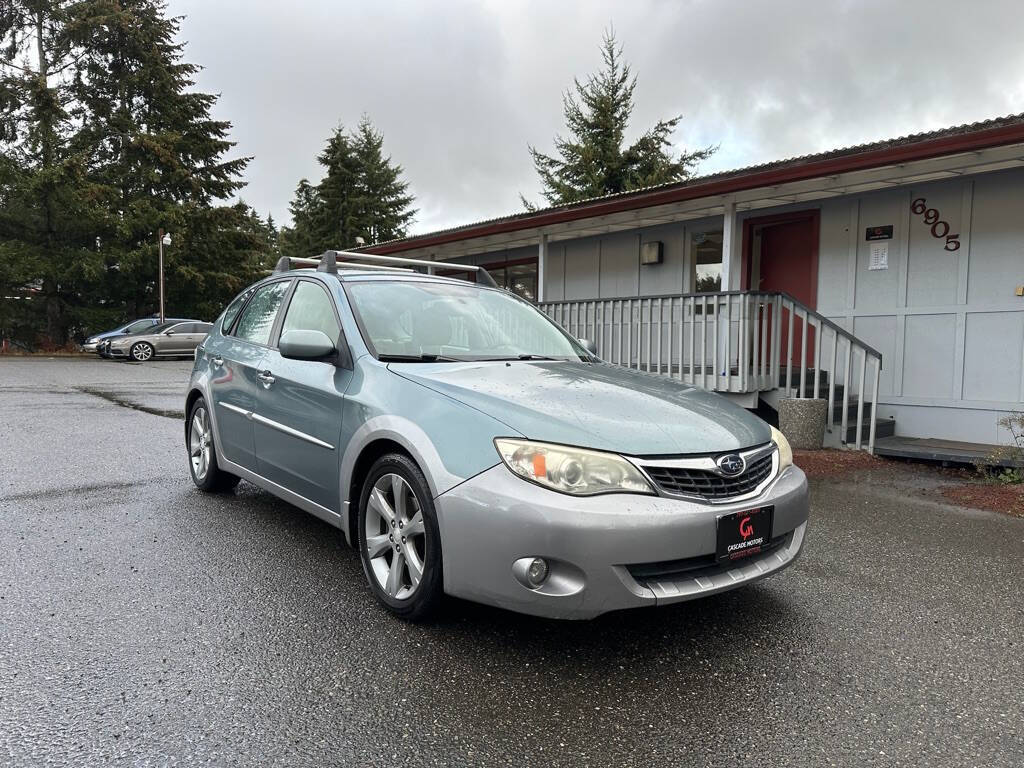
362 194
333 216
297 240
158 156
382 204
593 161
102 143
47 211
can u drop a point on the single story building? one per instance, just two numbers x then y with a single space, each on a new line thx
886 277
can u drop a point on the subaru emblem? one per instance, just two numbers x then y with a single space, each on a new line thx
731 464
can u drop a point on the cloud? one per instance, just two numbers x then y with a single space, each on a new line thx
460 88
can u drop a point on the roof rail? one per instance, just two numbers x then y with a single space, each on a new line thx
328 262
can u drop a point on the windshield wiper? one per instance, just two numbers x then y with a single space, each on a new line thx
425 358
517 357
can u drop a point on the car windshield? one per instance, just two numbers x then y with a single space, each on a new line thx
420 320
139 325
156 328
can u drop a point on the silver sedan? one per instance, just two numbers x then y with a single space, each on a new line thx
175 339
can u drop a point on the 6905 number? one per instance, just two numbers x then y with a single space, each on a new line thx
940 228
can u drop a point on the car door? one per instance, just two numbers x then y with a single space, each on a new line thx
173 341
235 356
297 426
196 332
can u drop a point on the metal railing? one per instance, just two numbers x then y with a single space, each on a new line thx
736 342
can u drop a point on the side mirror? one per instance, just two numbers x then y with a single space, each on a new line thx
306 345
168 333
590 346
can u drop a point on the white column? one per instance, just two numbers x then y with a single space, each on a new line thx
732 237
542 258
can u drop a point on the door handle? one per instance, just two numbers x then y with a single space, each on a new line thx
266 379
217 361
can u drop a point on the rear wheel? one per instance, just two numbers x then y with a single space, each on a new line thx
202 457
399 541
142 351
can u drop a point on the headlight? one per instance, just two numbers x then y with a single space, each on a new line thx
571 470
785 452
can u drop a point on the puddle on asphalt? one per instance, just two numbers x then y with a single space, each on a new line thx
116 399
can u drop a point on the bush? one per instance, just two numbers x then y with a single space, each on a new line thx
1014 452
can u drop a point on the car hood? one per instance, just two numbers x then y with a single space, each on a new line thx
596 406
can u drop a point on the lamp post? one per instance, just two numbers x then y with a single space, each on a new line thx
162 240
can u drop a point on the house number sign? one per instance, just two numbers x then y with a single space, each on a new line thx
940 228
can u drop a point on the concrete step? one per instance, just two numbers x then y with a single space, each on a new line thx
883 428
822 378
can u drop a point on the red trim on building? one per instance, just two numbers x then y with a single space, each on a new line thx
790 171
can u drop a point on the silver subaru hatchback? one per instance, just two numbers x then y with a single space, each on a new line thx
467 445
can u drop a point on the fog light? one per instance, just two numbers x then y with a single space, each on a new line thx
537 572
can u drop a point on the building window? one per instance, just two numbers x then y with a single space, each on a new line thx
519 277
706 258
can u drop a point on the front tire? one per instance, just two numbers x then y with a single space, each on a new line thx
141 352
202 456
399 540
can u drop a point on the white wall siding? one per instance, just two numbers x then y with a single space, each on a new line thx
947 322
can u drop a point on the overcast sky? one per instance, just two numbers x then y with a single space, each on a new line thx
460 88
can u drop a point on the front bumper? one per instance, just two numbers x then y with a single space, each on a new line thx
117 352
596 545
90 346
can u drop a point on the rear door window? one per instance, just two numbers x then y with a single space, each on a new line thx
257 319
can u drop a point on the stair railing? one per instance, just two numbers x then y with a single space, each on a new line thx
724 341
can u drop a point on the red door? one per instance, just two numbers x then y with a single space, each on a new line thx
789 263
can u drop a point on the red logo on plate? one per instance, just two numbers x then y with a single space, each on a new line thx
746 529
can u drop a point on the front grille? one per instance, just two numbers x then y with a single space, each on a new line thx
709 485
695 567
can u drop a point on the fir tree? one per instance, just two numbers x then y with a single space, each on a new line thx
593 161
362 194
382 205
158 156
102 143
47 209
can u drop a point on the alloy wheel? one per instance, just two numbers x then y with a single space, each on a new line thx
142 352
199 443
395 536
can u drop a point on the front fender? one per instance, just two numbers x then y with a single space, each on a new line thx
450 441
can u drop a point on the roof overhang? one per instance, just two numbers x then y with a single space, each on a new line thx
800 182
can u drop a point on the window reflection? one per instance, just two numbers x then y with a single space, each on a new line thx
518 278
706 257
258 316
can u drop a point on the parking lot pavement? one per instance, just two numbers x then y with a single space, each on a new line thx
143 623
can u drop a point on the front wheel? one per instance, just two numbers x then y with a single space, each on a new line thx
142 351
202 458
399 540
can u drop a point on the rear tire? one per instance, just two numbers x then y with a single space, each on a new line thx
399 540
202 454
142 352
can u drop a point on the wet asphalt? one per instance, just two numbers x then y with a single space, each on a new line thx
144 623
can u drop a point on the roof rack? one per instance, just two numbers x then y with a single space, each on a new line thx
328 262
